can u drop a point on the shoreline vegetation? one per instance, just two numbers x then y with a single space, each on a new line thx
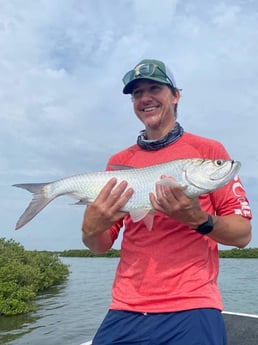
235 253
25 274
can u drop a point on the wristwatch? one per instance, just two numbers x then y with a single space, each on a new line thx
207 227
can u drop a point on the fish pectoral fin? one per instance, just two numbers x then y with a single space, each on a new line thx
171 182
143 214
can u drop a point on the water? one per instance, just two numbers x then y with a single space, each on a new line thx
71 313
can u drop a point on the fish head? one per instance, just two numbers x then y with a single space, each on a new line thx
206 175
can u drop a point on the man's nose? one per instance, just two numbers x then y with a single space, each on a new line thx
146 95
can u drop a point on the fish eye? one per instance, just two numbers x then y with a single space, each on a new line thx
219 162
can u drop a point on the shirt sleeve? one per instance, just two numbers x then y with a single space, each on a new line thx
231 199
115 229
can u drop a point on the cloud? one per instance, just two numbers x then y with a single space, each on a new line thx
62 107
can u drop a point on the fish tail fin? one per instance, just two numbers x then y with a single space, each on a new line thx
39 201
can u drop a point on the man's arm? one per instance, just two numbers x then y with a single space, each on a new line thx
233 230
102 214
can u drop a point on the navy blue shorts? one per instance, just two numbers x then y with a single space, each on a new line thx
190 327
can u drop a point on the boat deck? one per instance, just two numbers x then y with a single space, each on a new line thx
242 329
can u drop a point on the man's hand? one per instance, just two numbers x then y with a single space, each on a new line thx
103 213
171 200
232 229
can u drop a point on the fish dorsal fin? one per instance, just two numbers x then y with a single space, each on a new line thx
120 167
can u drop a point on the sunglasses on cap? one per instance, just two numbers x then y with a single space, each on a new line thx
147 70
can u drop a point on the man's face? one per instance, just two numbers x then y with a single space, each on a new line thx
154 105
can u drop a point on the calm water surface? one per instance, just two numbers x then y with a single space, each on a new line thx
71 313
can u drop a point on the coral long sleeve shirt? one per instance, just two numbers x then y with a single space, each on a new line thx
172 267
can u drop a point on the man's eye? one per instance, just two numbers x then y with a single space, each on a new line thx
136 94
155 88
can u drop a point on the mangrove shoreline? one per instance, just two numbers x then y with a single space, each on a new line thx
235 253
25 274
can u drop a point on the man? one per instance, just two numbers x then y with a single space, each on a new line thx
165 289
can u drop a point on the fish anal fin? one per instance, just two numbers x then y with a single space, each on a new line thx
138 214
143 214
148 220
83 202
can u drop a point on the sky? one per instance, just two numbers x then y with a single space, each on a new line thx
62 110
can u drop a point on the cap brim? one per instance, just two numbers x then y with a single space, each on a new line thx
130 86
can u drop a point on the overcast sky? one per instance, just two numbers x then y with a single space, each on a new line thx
62 107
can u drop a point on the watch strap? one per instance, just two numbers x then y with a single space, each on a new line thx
206 227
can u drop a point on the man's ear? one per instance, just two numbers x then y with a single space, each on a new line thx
176 96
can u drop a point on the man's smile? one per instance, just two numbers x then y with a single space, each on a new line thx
150 108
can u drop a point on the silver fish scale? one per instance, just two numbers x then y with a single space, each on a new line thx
87 186
196 175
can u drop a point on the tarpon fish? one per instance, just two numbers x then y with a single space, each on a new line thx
195 175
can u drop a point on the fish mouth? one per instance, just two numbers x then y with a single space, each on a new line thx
234 167
214 178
